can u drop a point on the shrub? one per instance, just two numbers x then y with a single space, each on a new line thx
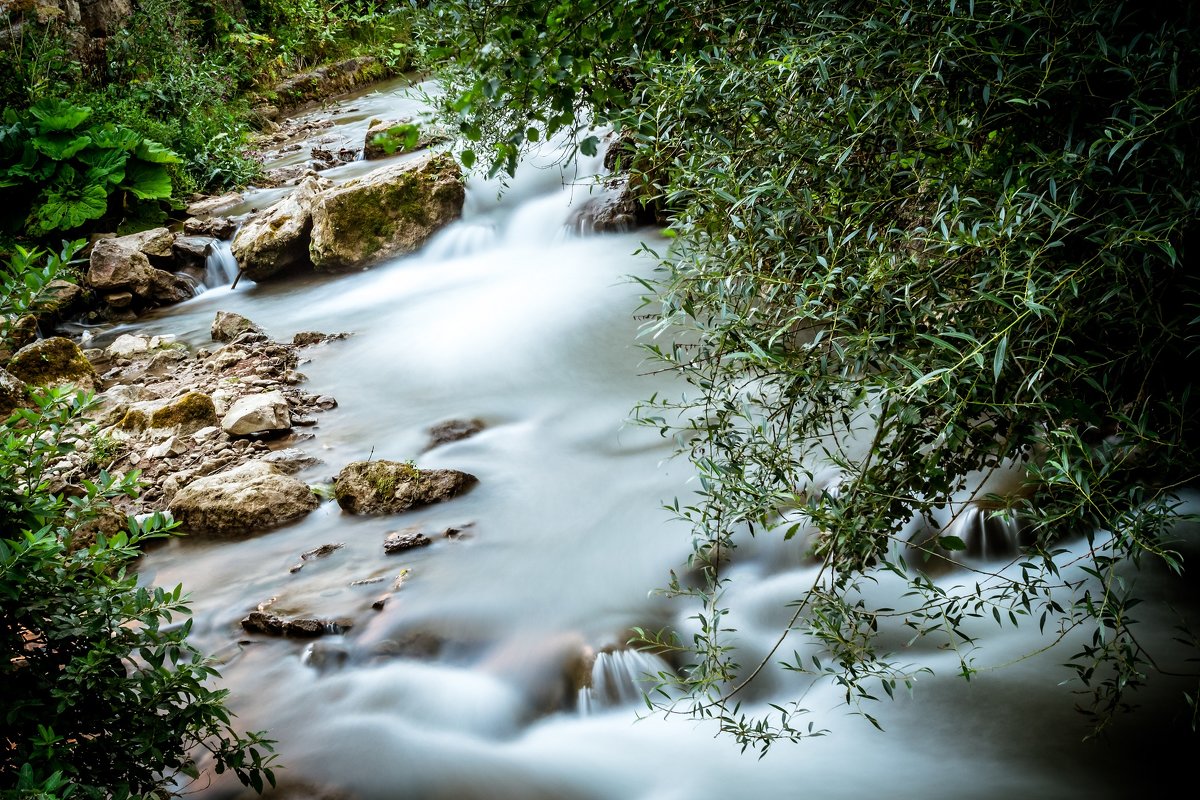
103 695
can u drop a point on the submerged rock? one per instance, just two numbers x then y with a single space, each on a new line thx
386 213
406 539
298 627
452 431
56 361
252 497
388 487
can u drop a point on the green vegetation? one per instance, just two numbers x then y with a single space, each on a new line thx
104 697
180 77
915 243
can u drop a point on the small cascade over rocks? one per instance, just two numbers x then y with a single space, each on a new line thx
619 678
220 268
988 534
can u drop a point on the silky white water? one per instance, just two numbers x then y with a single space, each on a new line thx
458 687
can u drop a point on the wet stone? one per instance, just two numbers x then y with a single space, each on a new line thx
405 540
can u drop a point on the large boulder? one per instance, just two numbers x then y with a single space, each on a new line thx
56 361
267 412
277 240
185 414
120 271
388 487
116 266
252 497
385 213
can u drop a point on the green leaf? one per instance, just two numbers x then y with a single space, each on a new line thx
111 137
147 181
155 153
60 146
951 543
59 115
64 209
467 158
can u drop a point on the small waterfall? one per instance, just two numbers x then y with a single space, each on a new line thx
220 268
986 533
618 678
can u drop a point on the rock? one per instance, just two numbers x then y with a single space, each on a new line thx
616 208
291 460
12 394
167 288
17 332
64 298
452 431
155 244
277 240
56 361
214 227
257 413
191 252
229 325
117 267
388 487
119 300
102 18
307 338
388 212
187 414
127 345
300 627
427 137
407 539
245 499
206 206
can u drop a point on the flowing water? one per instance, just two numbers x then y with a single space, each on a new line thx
461 686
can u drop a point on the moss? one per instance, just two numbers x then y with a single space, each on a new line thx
193 411
134 420
52 362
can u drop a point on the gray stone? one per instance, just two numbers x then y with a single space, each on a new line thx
229 325
257 413
245 499
388 487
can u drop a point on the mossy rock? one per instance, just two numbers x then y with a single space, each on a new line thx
135 420
386 213
56 361
187 414
388 487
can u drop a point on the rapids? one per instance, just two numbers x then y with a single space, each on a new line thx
458 687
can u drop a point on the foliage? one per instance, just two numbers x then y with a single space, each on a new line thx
60 173
103 696
923 244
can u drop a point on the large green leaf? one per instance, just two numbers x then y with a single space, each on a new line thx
147 181
60 146
63 208
59 115
116 138
155 153
106 165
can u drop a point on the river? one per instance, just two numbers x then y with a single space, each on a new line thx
458 687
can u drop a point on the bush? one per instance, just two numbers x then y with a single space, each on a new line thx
103 695
963 231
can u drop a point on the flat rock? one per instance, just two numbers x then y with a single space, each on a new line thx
397 541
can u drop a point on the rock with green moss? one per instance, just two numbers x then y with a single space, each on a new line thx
56 361
186 414
388 487
385 213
